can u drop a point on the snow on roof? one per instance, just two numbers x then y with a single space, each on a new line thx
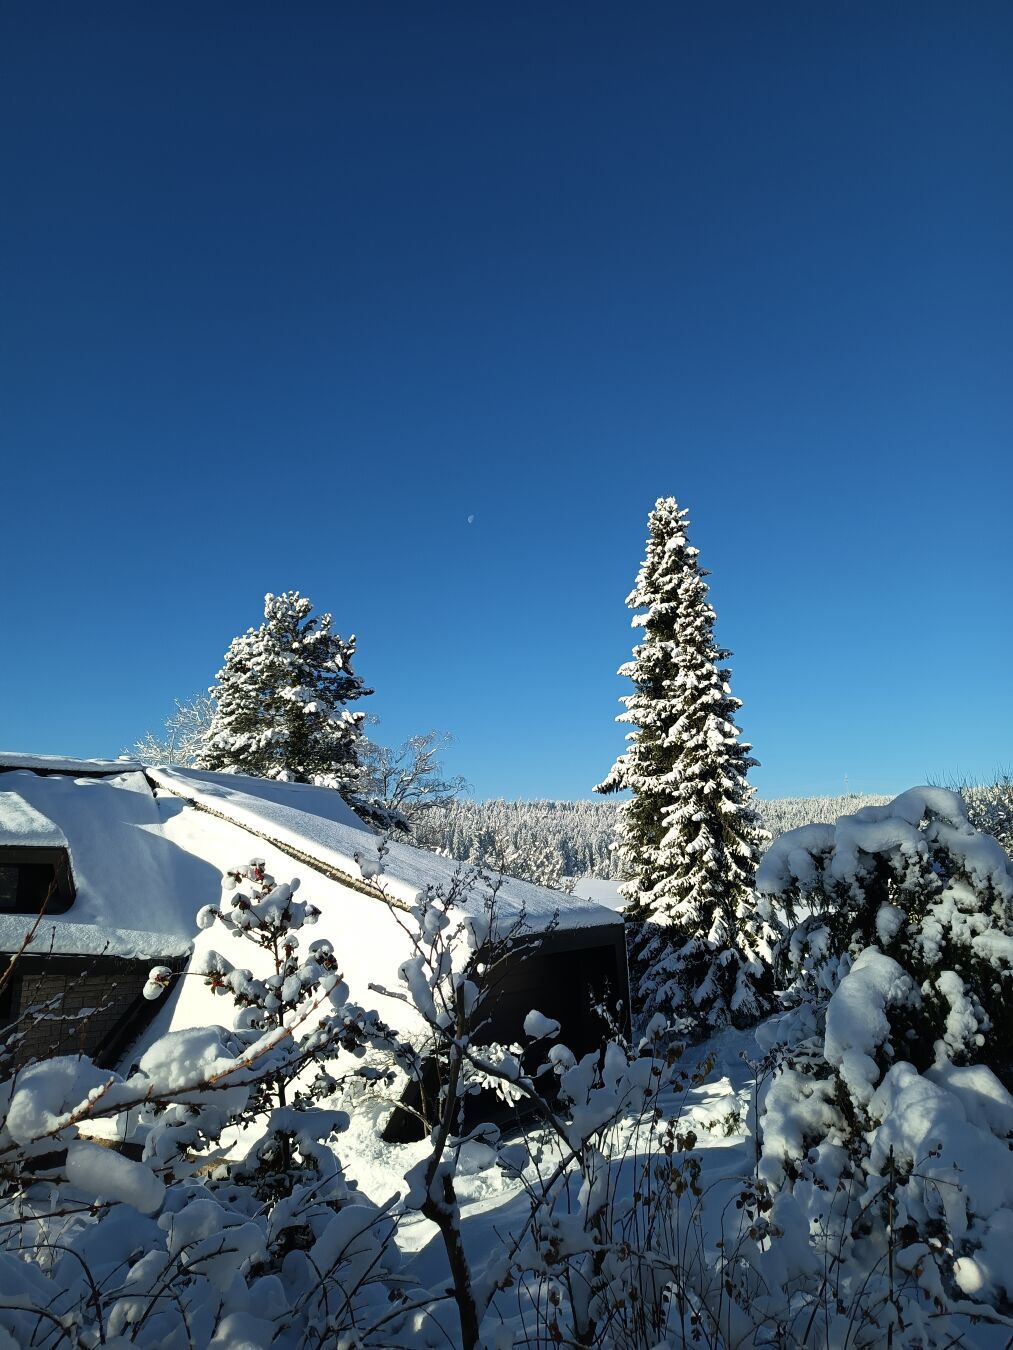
14 759
316 823
24 827
135 889
229 819
142 867
274 800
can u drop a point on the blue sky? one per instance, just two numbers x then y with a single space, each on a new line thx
290 293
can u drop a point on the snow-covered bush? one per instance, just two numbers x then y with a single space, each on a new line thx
890 1121
302 997
125 1213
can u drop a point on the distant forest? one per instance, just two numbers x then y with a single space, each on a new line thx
549 841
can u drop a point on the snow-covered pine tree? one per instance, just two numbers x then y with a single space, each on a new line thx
689 838
281 701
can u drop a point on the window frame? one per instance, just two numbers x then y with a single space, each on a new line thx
20 855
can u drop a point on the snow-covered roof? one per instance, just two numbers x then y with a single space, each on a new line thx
14 759
148 850
135 889
316 823
308 834
264 800
24 827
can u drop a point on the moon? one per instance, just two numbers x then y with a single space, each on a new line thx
471 520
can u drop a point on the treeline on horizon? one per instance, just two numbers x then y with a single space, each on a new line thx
546 841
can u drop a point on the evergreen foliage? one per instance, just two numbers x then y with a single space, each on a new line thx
580 836
281 701
990 808
583 835
297 990
690 840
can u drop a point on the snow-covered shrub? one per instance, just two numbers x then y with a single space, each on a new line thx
124 1214
303 1002
890 1121
917 882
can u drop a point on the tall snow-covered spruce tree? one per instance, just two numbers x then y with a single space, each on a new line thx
689 839
281 701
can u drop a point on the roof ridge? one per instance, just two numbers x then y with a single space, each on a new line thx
325 868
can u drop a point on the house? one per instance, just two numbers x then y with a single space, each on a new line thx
119 857
92 893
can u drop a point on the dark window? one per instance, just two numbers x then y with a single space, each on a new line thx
29 875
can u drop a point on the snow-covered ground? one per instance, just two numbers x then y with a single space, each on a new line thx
600 891
493 1204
